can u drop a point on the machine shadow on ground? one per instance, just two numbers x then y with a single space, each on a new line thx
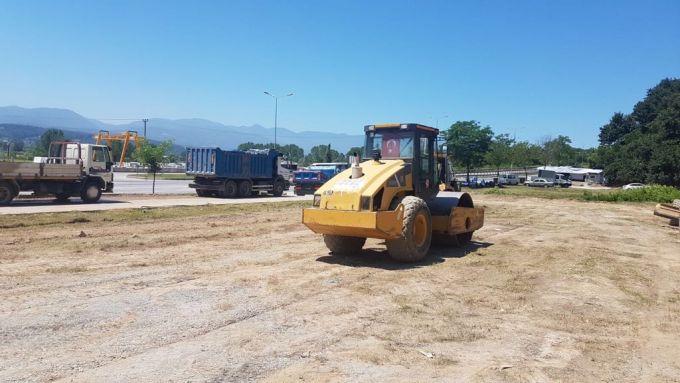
380 259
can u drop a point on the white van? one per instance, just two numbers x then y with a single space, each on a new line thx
508 179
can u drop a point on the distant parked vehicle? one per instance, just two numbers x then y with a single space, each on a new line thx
539 182
557 179
634 185
508 179
309 180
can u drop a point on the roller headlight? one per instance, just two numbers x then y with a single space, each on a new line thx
317 200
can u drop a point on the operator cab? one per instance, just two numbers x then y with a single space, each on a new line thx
415 144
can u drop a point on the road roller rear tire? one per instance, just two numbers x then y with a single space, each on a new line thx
416 232
343 245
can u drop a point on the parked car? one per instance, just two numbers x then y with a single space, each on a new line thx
634 185
539 182
508 179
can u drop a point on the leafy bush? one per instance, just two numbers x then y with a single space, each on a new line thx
653 193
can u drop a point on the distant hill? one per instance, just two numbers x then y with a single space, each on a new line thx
30 134
184 132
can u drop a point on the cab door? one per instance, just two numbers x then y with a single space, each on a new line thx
426 184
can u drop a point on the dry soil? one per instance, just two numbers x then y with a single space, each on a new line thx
550 290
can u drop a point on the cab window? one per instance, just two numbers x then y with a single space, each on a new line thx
99 154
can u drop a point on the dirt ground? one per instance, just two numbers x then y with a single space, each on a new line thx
551 290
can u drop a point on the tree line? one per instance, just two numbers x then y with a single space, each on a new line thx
471 145
644 146
318 153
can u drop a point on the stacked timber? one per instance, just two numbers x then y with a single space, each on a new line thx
670 211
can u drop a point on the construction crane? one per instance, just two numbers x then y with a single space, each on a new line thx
124 137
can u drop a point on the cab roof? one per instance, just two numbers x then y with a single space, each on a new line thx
403 126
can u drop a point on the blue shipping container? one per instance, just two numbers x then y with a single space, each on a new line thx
236 164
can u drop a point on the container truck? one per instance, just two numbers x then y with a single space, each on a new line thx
70 169
235 173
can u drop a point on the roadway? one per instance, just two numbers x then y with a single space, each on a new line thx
131 193
126 183
113 202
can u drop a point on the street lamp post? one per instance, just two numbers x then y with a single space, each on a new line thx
276 111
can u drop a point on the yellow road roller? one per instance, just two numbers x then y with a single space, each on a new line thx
395 193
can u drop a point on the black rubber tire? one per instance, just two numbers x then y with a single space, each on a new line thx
230 190
245 188
7 193
62 197
404 248
343 245
88 193
278 188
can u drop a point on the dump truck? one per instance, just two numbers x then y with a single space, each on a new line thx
71 169
235 173
394 194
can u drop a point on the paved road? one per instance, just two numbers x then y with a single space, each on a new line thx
110 203
125 184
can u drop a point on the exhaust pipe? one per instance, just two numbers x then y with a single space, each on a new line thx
357 172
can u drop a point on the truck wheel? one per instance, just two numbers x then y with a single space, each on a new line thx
91 192
230 190
342 245
278 188
416 232
6 193
62 197
245 188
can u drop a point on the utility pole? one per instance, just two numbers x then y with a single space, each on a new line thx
276 111
145 120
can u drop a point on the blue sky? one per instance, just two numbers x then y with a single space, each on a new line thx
526 68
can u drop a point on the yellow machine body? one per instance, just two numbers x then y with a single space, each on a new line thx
361 207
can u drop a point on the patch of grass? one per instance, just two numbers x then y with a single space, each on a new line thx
652 193
142 214
66 269
548 193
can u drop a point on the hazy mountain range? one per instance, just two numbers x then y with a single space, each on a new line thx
185 132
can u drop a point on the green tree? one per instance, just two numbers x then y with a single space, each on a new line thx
467 143
43 145
359 150
323 153
644 146
500 151
560 151
152 156
291 152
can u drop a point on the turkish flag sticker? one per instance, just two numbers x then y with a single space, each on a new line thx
390 146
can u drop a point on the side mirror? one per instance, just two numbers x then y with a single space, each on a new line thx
109 165
377 155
